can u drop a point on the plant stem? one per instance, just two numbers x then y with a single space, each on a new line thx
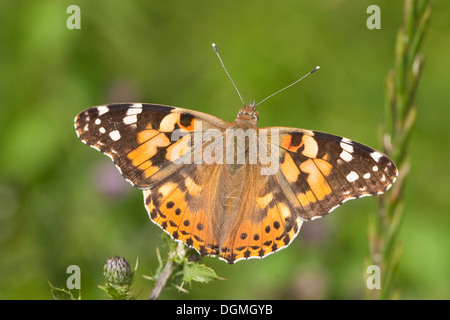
167 272
162 280
400 115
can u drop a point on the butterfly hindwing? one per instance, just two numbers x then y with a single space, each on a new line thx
271 226
178 206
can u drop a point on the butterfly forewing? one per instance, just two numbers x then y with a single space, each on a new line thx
320 171
140 138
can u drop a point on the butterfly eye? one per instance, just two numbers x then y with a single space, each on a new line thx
255 115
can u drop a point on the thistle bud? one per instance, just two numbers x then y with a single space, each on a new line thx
117 272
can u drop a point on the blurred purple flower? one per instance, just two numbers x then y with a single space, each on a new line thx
315 232
109 181
120 90
311 284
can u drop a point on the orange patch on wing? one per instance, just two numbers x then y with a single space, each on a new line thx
146 135
286 143
324 166
240 244
148 149
148 168
177 219
193 188
319 186
168 123
178 148
145 165
284 210
306 198
278 218
289 169
174 221
165 189
263 202
311 147
151 171
260 238
274 217
309 144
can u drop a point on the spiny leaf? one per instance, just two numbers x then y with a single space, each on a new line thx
198 272
62 294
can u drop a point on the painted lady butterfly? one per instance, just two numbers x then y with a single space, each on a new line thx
233 210
231 189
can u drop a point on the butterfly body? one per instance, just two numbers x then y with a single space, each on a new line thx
231 189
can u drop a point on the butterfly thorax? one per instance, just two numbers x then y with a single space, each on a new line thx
240 178
240 139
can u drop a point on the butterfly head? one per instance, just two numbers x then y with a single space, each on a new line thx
248 113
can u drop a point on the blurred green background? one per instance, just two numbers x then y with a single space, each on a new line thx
62 203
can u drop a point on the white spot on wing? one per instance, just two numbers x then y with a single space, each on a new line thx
134 109
346 156
366 176
346 147
352 176
98 121
375 168
102 110
115 135
130 119
102 130
346 140
376 156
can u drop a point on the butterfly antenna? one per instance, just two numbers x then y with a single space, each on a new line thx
223 66
312 71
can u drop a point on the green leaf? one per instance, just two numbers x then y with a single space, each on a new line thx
117 292
62 294
198 272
